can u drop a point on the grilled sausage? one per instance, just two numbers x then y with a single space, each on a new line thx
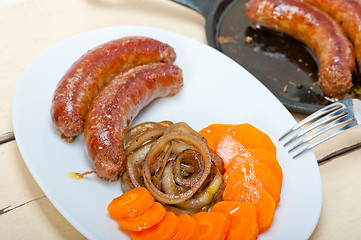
318 31
116 105
348 14
92 71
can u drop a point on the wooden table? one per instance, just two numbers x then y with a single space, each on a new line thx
30 26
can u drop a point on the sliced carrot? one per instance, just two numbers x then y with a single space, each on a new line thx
228 148
189 229
258 174
214 132
212 225
256 155
242 158
247 192
167 228
267 157
147 219
243 217
131 204
250 137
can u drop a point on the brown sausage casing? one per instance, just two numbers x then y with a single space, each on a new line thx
116 105
318 31
348 14
82 82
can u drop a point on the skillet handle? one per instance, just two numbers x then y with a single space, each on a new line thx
204 7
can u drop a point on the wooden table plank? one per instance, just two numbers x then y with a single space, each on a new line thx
31 26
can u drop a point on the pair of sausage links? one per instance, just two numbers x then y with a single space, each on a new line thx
348 14
318 31
116 105
88 75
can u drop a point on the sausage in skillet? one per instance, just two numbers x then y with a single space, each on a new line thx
318 31
348 14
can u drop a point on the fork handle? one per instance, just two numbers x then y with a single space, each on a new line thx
339 153
7 137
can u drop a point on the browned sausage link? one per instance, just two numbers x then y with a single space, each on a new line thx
318 31
92 71
116 105
348 14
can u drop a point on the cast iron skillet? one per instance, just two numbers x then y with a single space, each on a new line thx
284 65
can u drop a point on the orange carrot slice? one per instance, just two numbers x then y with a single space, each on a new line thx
243 217
147 219
258 174
131 204
166 229
256 155
267 157
228 148
213 133
242 158
188 229
250 137
243 191
212 225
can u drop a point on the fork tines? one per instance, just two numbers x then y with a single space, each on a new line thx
320 122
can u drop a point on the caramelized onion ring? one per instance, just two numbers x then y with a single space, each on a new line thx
159 167
125 182
206 197
168 184
182 126
142 138
189 156
156 149
139 129
134 166
178 146
175 164
217 161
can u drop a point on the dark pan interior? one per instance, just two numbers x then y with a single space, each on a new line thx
284 65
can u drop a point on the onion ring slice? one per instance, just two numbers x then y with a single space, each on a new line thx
156 149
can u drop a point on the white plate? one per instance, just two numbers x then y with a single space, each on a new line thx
216 90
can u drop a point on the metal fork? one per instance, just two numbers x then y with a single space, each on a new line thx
329 121
7 137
